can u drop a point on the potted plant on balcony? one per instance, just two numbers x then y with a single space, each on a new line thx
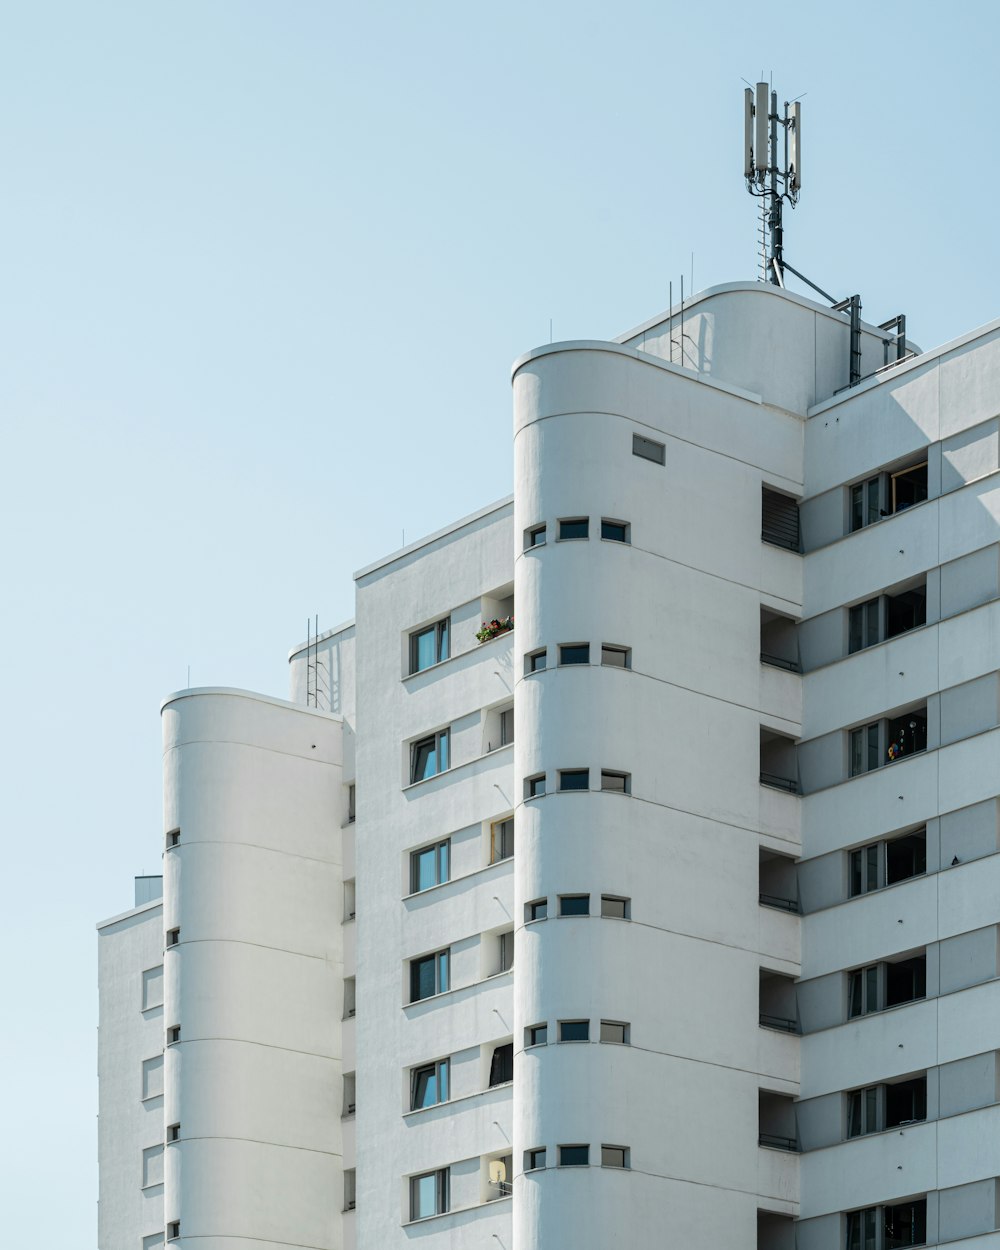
494 628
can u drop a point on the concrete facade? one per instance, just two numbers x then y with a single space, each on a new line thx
671 913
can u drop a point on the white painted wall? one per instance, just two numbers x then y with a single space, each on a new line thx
462 573
130 1073
685 595
255 983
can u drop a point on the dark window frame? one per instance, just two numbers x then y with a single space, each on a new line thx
442 1186
432 748
441 852
573 775
440 964
610 531
569 523
435 1075
440 632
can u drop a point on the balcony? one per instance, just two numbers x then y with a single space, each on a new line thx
778 764
778 1008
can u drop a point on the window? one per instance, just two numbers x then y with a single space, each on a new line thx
648 449
534 662
886 494
616 908
536 1035
429 756
173 1035
500 1178
430 645
534 787
350 997
501 839
429 1085
908 486
352 804
574 1156
896 737
864 749
863 625
350 899
535 537
905 611
574 779
864 869
866 503
615 1032
575 653
886 984
502 1065
505 943
574 1030
173 1132
173 838
886 617
574 904
880 1107
616 657
350 1093
888 1228
574 527
429 1194
779 520
616 783
614 1157
616 531
430 866
173 1230
173 937
885 863
906 857
429 975
534 1159
907 734
507 727
350 1189
538 909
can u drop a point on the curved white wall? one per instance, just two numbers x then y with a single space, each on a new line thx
255 984
685 595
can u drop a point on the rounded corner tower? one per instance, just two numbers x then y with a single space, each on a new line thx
639 588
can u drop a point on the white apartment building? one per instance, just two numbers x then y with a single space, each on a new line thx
670 916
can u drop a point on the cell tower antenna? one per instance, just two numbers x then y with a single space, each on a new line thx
772 167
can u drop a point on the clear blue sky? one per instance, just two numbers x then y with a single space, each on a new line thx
263 270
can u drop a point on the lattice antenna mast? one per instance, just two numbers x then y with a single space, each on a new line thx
772 166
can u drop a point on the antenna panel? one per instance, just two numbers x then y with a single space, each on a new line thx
795 147
748 133
760 140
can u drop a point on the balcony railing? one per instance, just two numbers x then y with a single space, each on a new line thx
783 904
778 661
779 783
778 1022
778 1143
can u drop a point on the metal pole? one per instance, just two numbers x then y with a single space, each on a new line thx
775 217
855 339
682 321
